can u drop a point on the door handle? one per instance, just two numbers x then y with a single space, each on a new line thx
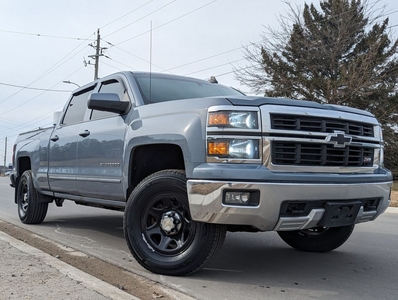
55 138
84 133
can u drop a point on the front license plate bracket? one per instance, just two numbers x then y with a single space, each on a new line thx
340 213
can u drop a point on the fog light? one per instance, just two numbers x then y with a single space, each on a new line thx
237 197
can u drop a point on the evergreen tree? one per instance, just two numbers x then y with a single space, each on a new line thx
338 54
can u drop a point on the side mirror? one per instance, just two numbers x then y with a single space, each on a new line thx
107 102
56 116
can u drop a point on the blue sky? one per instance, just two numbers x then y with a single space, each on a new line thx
44 43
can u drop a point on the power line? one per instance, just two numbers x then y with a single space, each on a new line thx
200 59
112 66
6 127
147 61
119 63
22 104
2 113
253 43
10 123
31 123
43 35
32 88
57 65
142 18
228 63
212 56
27 124
127 14
188 13
247 67
230 72
205 57
115 45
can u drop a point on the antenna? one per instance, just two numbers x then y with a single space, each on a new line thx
150 65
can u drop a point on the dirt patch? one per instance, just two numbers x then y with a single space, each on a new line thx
119 277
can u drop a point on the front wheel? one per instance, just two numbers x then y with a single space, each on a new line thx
30 209
318 239
159 230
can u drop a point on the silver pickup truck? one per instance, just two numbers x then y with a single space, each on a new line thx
188 160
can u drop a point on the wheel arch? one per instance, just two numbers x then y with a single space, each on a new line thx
148 159
23 164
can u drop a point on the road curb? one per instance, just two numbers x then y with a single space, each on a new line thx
88 281
393 210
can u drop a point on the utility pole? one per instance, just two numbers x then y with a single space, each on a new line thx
5 157
98 53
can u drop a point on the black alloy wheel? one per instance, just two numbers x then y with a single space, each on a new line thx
159 230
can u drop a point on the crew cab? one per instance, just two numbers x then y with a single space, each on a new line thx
188 160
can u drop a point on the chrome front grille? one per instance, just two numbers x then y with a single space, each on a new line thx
309 139
318 124
312 154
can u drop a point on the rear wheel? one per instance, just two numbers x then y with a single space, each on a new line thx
159 230
30 209
317 239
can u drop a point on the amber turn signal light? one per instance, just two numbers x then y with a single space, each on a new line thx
217 148
218 119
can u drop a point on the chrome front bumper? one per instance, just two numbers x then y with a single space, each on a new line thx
206 203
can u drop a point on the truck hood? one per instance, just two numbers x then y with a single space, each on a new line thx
259 101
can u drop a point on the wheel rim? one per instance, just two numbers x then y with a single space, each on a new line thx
166 225
24 198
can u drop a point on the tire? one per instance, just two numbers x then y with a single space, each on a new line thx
30 209
159 230
318 239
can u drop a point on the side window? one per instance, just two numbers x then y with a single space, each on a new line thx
111 86
77 107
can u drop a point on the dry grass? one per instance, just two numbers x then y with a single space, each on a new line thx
394 199
394 195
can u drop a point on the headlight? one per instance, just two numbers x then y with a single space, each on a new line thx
234 119
233 148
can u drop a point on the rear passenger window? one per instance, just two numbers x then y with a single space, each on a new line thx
77 107
111 86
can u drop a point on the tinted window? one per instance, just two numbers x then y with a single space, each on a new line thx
161 88
112 86
77 107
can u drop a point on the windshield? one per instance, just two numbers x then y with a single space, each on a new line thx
161 88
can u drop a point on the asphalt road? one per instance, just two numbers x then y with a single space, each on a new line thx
250 265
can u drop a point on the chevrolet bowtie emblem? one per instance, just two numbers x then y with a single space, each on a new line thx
339 138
